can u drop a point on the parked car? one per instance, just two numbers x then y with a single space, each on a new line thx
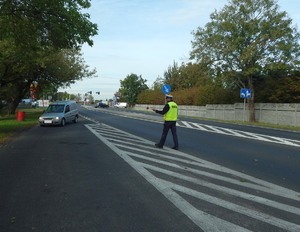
60 113
101 105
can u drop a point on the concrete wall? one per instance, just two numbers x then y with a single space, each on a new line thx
274 113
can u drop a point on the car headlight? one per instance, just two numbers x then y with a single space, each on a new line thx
57 118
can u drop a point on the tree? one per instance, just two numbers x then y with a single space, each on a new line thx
158 83
131 86
183 76
61 69
172 76
58 24
284 89
245 41
37 35
151 96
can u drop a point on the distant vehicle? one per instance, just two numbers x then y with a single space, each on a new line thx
121 105
28 102
34 104
60 113
101 105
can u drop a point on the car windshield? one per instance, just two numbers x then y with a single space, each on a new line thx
55 109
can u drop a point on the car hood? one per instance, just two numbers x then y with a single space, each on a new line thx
51 115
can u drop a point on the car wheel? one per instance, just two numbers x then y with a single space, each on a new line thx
75 119
63 122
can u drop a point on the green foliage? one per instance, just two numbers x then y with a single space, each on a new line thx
279 90
172 77
245 41
40 41
197 95
158 83
213 94
131 86
185 76
58 24
186 96
248 44
191 84
151 96
61 69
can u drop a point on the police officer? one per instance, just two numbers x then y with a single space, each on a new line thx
170 112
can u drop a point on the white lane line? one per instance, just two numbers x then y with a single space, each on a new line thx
211 222
275 190
208 223
260 137
234 133
233 192
198 126
220 130
236 208
284 140
186 124
215 129
205 221
243 134
260 184
116 131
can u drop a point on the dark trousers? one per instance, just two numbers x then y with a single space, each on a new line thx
169 125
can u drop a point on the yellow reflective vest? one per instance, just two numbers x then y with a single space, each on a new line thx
172 114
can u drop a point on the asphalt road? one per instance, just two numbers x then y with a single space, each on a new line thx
264 153
104 174
55 179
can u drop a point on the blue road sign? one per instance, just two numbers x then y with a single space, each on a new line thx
166 89
245 93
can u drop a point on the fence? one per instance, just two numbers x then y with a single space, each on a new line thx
274 113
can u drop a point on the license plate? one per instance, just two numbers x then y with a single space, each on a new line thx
48 121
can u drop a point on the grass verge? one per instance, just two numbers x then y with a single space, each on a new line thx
9 126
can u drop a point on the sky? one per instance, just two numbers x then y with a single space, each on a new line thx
144 38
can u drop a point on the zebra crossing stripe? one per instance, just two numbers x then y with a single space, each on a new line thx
236 208
246 180
226 190
242 134
261 186
158 167
207 222
186 124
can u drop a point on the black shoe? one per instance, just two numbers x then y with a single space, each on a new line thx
175 148
159 146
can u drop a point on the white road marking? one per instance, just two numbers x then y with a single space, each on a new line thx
237 133
151 163
236 208
187 124
207 128
230 191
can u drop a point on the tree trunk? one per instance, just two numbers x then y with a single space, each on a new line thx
12 106
16 94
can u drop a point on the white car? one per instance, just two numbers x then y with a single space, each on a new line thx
59 113
121 105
